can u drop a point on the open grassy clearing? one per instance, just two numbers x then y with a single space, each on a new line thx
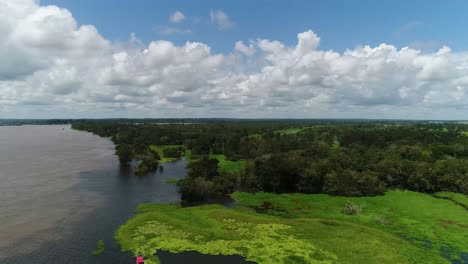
286 131
400 227
227 165
160 149
292 130
256 136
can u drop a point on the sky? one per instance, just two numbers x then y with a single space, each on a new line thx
239 59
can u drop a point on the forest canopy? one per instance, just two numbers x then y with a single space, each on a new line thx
349 158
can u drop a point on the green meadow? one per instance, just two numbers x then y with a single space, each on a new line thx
288 131
399 227
160 149
227 165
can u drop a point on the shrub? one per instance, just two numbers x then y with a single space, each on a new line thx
351 208
173 152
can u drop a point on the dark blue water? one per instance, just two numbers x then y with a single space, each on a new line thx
195 257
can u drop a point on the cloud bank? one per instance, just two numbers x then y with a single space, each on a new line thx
52 67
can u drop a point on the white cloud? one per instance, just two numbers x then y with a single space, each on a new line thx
221 19
51 67
177 17
246 50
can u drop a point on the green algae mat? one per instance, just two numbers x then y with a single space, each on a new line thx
399 227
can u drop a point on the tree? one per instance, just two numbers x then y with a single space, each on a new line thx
146 164
125 153
352 183
204 167
195 189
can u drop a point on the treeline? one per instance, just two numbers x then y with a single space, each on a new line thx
339 158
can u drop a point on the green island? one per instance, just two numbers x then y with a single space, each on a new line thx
304 191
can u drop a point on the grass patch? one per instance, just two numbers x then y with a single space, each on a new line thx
288 131
458 198
188 154
171 180
160 149
256 136
227 165
310 229
418 216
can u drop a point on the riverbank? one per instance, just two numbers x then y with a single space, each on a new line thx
399 227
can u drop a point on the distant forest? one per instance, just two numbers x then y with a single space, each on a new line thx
337 157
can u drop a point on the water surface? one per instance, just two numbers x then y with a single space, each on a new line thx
63 190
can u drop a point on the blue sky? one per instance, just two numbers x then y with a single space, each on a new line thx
266 59
340 24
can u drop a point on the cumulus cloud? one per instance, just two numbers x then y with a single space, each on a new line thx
221 19
246 50
52 67
177 17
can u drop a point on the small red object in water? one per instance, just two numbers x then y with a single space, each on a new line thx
140 260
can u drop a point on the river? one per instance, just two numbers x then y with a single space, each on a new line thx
61 191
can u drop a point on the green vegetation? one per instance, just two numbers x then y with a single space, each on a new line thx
100 248
400 190
206 180
287 131
351 208
188 154
349 158
171 180
399 227
458 198
416 216
164 150
146 163
228 165
256 136
124 152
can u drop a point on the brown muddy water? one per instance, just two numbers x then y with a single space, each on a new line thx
61 191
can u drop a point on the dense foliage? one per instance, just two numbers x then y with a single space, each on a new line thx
341 158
